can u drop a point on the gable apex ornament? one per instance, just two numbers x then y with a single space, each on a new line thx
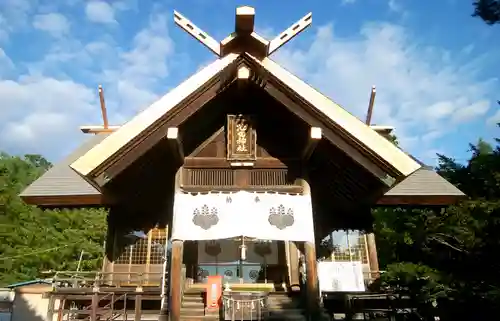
244 38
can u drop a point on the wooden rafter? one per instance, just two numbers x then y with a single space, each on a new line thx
245 20
198 34
90 129
290 33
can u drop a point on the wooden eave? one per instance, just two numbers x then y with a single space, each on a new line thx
424 187
61 186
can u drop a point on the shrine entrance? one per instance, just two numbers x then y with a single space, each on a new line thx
241 261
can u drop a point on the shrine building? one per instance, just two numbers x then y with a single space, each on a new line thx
242 169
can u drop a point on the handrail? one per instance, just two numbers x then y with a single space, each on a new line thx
88 279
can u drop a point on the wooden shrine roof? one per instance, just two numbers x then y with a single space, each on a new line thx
242 57
363 140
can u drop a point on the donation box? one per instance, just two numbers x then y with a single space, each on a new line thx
214 291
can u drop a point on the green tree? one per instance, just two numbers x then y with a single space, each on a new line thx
488 10
34 240
449 255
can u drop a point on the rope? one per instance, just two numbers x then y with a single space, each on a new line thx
37 252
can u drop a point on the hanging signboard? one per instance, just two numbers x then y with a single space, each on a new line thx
341 277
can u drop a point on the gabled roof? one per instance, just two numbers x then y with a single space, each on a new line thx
62 182
361 136
246 51
426 184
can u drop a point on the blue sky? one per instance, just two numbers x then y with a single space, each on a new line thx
433 64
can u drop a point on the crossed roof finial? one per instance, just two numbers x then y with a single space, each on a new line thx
244 38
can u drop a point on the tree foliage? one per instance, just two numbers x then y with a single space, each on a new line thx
449 255
488 10
34 240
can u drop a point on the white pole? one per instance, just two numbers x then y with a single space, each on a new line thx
163 277
79 262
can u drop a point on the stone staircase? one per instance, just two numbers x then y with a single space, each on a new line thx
282 306
193 307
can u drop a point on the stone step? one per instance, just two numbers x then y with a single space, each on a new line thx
192 304
193 311
199 318
193 298
286 311
290 317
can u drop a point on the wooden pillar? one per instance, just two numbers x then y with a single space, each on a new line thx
95 306
50 309
312 287
372 256
311 279
175 280
294 266
138 307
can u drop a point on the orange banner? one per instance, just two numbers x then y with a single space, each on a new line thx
214 291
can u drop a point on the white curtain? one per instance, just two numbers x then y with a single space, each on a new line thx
266 216
228 251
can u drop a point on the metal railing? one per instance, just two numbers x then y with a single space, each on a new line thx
97 279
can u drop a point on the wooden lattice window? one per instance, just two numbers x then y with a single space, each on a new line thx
348 245
148 249
158 243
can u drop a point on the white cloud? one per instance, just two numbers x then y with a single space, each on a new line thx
39 114
100 12
394 5
420 90
54 23
41 111
495 119
6 63
137 74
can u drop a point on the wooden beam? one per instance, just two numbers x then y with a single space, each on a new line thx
89 129
175 142
419 200
259 163
368 120
103 107
382 130
314 138
245 20
197 33
290 33
65 200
